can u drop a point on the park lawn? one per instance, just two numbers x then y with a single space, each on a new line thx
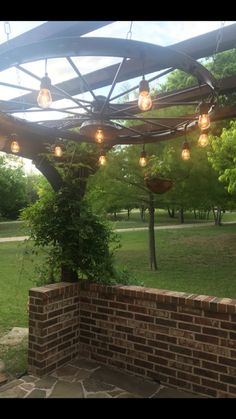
16 273
198 260
162 218
13 229
10 229
195 260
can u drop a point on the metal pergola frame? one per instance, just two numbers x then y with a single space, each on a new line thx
67 40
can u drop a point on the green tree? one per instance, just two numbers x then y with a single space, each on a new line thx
122 183
222 156
61 221
12 188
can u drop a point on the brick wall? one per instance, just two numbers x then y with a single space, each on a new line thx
182 340
53 327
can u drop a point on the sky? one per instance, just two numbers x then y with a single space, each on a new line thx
157 32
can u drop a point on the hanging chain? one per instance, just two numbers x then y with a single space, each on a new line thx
129 33
219 39
18 78
7 29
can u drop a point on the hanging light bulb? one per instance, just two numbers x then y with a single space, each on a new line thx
143 158
99 136
44 98
203 140
15 148
204 118
58 151
102 159
185 151
144 100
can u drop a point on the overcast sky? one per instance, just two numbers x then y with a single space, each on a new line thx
157 32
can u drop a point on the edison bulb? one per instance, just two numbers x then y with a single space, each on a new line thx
44 98
99 137
102 160
58 151
144 101
15 148
142 161
185 154
203 140
204 121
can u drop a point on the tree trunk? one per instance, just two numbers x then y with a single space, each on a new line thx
195 214
152 247
217 213
181 215
68 274
128 212
115 217
142 213
171 212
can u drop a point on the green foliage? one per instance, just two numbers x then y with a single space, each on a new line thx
12 188
72 234
178 79
222 156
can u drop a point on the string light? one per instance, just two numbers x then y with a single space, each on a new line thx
99 136
102 159
15 147
185 151
58 151
204 118
143 158
44 98
144 100
203 140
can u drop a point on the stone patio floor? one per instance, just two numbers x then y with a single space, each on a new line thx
82 378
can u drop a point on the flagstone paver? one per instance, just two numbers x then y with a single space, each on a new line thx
130 383
64 389
82 378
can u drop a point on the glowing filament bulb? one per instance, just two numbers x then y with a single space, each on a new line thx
185 151
99 137
15 148
203 140
143 159
102 160
44 98
58 151
204 121
144 100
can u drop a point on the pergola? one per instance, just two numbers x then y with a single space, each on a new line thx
54 40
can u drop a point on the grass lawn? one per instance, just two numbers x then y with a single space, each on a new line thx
14 288
162 218
195 260
14 285
12 228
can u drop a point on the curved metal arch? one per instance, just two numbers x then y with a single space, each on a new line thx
162 57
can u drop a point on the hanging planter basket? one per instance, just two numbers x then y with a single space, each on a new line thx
158 184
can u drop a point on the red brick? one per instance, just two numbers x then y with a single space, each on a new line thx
205 373
214 384
188 377
204 390
214 367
